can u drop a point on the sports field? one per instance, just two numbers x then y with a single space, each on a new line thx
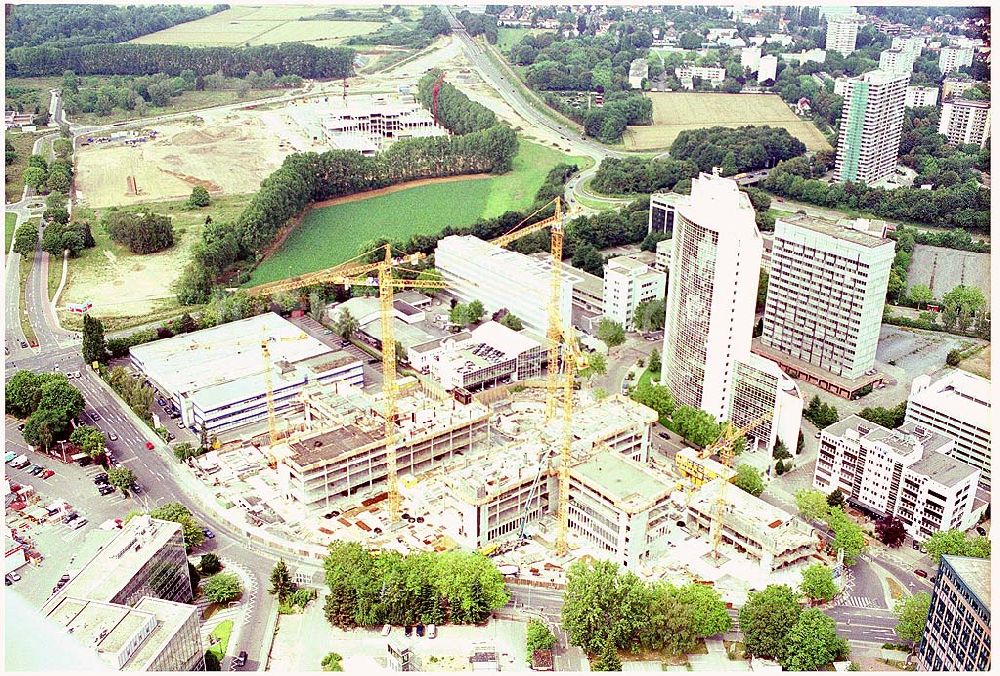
674 112
268 25
330 235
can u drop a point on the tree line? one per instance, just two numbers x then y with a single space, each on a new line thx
631 175
736 150
368 589
456 111
432 24
79 25
289 58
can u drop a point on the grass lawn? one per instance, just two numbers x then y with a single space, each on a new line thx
25 269
222 632
13 177
895 589
8 231
55 274
331 235
508 37
978 363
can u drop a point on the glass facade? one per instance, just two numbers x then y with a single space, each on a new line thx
957 637
164 576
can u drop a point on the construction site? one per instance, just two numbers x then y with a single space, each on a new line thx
536 473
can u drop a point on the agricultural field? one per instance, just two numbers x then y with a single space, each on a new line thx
268 25
330 235
126 285
674 112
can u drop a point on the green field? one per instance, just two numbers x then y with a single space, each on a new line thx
508 37
331 235
10 220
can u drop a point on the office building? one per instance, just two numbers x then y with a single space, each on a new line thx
750 59
871 126
896 60
825 296
957 405
957 635
768 69
816 55
628 282
712 293
498 278
215 377
953 57
907 473
366 125
919 97
663 250
964 121
760 387
770 537
842 33
662 209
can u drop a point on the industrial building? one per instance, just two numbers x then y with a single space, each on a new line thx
628 282
842 33
871 126
906 473
957 405
498 278
365 126
215 377
770 537
825 297
957 634
919 97
964 121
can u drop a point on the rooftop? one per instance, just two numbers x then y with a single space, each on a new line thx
881 77
716 203
943 469
959 395
845 230
631 486
514 265
625 264
170 618
975 573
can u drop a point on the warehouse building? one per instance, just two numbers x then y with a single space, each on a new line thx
215 377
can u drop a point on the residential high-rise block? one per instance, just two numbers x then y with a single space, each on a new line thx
918 97
628 282
750 58
957 635
826 293
842 33
896 60
712 293
871 126
953 57
911 43
964 121
768 69
959 406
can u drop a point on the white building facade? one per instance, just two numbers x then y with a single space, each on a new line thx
964 121
896 61
768 69
750 59
628 282
871 126
842 33
919 97
953 57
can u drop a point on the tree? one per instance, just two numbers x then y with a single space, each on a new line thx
708 610
812 504
847 535
954 357
608 660
512 322
748 479
26 239
813 642
94 347
199 197
890 531
817 583
121 478
475 311
956 543
650 315
597 365
670 625
766 620
911 615
603 608
429 275
332 662
35 178
281 581
780 451
835 498
539 637
697 426
222 588
657 397
459 315
210 564
345 324
655 362
194 535
920 294
611 332
141 232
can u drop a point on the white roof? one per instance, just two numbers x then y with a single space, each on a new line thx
717 203
498 336
959 395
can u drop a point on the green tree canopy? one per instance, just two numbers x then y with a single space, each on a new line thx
611 332
94 347
603 607
121 478
749 480
817 583
847 535
812 504
812 642
209 564
199 197
657 397
911 615
222 588
539 637
709 616
281 581
178 513
956 543
766 620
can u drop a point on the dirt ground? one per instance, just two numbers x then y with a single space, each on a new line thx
943 269
978 363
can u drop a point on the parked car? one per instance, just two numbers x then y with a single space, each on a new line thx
105 489
78 524
920 572
85 461
241 659
408 631
112 436
15 576
181 424
432 630
36 470
47 473
9 456
170 436
386 628
95 416
7 581
101 478
420 630
149 445
136 488
20 427
69 517
981 530
208 533
161 401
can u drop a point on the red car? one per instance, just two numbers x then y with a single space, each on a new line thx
47 473
149 445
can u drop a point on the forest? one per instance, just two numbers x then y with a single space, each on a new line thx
41 25
289 58
736 150
631 175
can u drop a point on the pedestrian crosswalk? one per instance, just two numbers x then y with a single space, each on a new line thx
860 602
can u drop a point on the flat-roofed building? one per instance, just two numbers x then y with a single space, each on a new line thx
765 395
906 473
365 125
910 43
663 253
770 537
896 60
686 73
768 68
638 72
627 283
957 635
958 405
919 97
964 121
871 126
750 59
215 377
956 87
953 57
155 635
663 210
842 33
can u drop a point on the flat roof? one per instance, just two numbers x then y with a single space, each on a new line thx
626 263
975 573
903 439
628 484
852 384
716 203
836 229
170 617
407 334
943 469
498 336
959 395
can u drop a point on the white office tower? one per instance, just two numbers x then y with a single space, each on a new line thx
835 11
912 44
712 293
953 57
896 61
842 33
957 405
750 58
760 387
919 97
871 126
628 282
498 278
768 69
826 293
965 121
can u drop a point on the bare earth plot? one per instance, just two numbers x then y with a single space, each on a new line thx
943 269
674 112
978 363
260 26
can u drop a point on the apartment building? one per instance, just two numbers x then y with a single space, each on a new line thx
662 210
842 33
750 59
964 121
953 57
663 251
712 293
825 297
957 405
896 60
714 75
871 126
919 97
478 270
910 43
957 635
768 68
907 473
628 282
954 87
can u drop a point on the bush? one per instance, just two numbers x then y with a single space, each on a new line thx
332 662
141 233
222 588
212 661
210 564
954 358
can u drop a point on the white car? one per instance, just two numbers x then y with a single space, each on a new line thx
112 436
